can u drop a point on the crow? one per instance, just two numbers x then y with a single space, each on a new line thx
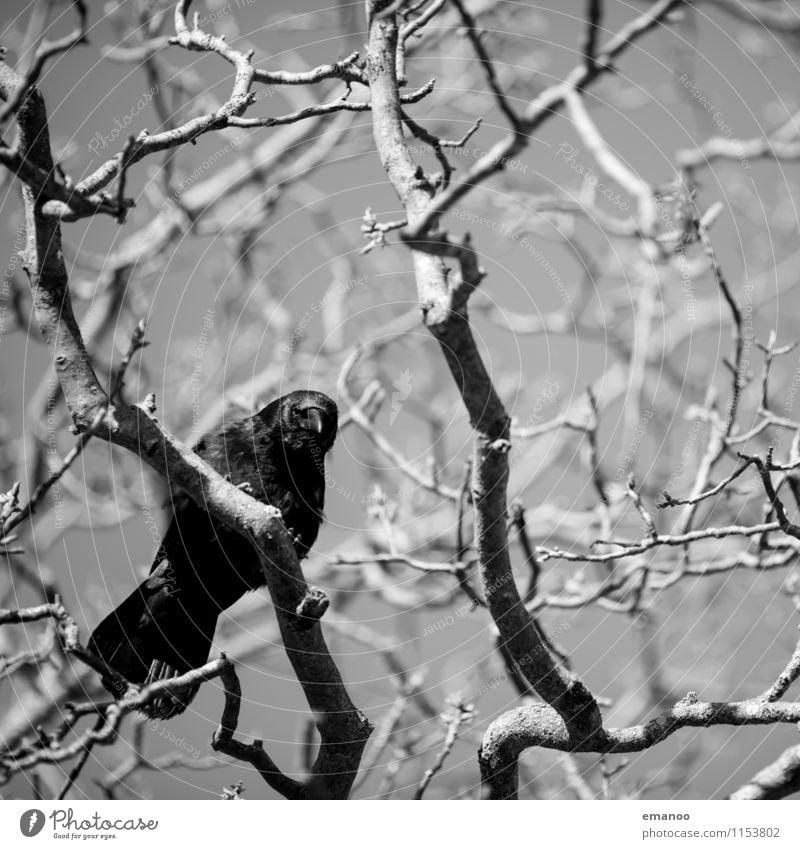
165 626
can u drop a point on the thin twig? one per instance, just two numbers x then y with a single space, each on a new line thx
459 713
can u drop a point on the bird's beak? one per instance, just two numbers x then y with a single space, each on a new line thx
315 422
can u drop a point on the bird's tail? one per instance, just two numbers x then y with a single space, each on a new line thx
155 634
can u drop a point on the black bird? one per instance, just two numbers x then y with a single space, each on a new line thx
165 627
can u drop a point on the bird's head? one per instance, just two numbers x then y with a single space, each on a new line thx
306 419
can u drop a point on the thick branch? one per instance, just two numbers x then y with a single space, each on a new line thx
444 307
343 729
539 725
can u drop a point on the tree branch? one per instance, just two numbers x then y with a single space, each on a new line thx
45 51
343 729
444 308
538 725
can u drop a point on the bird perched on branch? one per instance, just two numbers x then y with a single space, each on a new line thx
165 627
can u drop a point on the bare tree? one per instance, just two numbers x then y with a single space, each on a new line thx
497 505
